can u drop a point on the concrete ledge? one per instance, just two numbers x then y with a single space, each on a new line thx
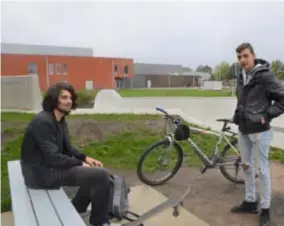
20 92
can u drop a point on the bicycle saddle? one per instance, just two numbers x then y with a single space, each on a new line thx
228 120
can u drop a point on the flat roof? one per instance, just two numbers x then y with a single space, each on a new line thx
13 48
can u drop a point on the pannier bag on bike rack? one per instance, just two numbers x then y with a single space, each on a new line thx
182 132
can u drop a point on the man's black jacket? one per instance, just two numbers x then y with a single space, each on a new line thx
46 149
255 99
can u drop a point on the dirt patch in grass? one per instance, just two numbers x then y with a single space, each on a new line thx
84 131
87 130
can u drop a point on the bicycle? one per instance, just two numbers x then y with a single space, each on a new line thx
181 132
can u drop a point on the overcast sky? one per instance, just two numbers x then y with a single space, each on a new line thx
187 33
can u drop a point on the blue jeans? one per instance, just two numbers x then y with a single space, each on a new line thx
256 146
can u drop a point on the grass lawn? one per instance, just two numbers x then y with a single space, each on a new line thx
173 93
116 140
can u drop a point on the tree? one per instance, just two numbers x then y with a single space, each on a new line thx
185 69
199 68
281 75
235 70
222 71
275 68
204 68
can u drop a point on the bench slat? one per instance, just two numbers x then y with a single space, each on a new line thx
39 207
65 209
21 205
45 212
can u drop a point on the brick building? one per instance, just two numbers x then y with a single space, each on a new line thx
75 65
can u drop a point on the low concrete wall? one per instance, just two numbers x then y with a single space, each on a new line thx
212 85
20 92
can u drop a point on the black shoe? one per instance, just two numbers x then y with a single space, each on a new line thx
264 218
245 207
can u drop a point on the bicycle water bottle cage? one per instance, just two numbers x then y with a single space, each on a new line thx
182 132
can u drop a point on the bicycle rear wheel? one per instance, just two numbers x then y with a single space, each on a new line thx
227 173
164 148
230 175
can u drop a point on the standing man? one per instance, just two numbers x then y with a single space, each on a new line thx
256 89
49 161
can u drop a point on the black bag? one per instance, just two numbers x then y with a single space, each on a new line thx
182 132
119 205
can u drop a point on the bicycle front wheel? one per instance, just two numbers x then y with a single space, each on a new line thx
161 154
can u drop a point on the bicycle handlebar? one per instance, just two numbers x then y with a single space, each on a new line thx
162 110
224 129
167 115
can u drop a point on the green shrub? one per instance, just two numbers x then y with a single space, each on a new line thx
86 97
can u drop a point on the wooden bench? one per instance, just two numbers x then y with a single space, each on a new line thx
33 207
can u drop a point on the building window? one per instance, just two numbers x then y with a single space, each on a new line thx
115 69
126 69
58 69
50 69
32 68
65 69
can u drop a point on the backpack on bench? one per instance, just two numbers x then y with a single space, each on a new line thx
119 205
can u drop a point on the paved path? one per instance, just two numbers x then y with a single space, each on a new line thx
212 195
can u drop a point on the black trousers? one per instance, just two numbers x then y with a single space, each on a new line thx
94 188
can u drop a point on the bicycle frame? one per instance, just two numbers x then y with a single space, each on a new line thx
198 151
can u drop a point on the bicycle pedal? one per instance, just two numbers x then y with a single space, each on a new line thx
203 169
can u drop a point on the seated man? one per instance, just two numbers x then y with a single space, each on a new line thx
49 161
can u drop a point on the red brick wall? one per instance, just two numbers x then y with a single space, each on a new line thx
120 62
79 69
18 65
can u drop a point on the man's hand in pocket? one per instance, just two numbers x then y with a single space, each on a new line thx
262 120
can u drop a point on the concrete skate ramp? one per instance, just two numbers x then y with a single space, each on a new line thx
205 109
107 99
152 198
20 92
202 111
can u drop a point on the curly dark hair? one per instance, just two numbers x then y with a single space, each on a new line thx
50 100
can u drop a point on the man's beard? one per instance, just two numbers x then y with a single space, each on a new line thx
65 112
